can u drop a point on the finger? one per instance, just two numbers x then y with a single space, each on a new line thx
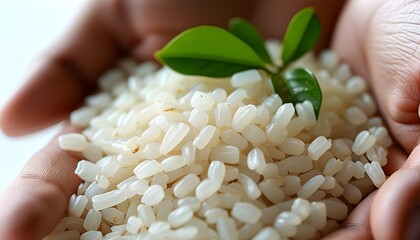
396 159
64 75
357 224
395 209
37 199
348 39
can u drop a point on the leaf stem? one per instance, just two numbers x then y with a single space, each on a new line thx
270 69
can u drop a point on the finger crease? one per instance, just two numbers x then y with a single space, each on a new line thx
46 180
355 226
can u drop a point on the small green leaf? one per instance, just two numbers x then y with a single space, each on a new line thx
301 35
208 51
298 85
250 35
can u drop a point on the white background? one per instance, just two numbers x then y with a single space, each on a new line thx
27 29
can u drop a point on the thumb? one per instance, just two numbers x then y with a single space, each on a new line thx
36 201
357 224
396 208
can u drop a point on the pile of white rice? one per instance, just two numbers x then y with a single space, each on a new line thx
179 157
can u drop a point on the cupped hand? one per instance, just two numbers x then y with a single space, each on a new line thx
34 203
111 29
107 31
380 40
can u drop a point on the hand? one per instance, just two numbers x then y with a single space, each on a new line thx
109 29
380 39
106 31
35 202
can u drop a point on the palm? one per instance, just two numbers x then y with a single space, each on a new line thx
381 43
384 49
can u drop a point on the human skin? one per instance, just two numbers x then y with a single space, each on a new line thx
382 44
378 38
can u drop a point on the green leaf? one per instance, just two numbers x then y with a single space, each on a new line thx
208 51
301 35
298 85
250 35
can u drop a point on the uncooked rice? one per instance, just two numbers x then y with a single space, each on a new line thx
169 156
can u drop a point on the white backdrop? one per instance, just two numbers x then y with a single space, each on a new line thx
27 28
